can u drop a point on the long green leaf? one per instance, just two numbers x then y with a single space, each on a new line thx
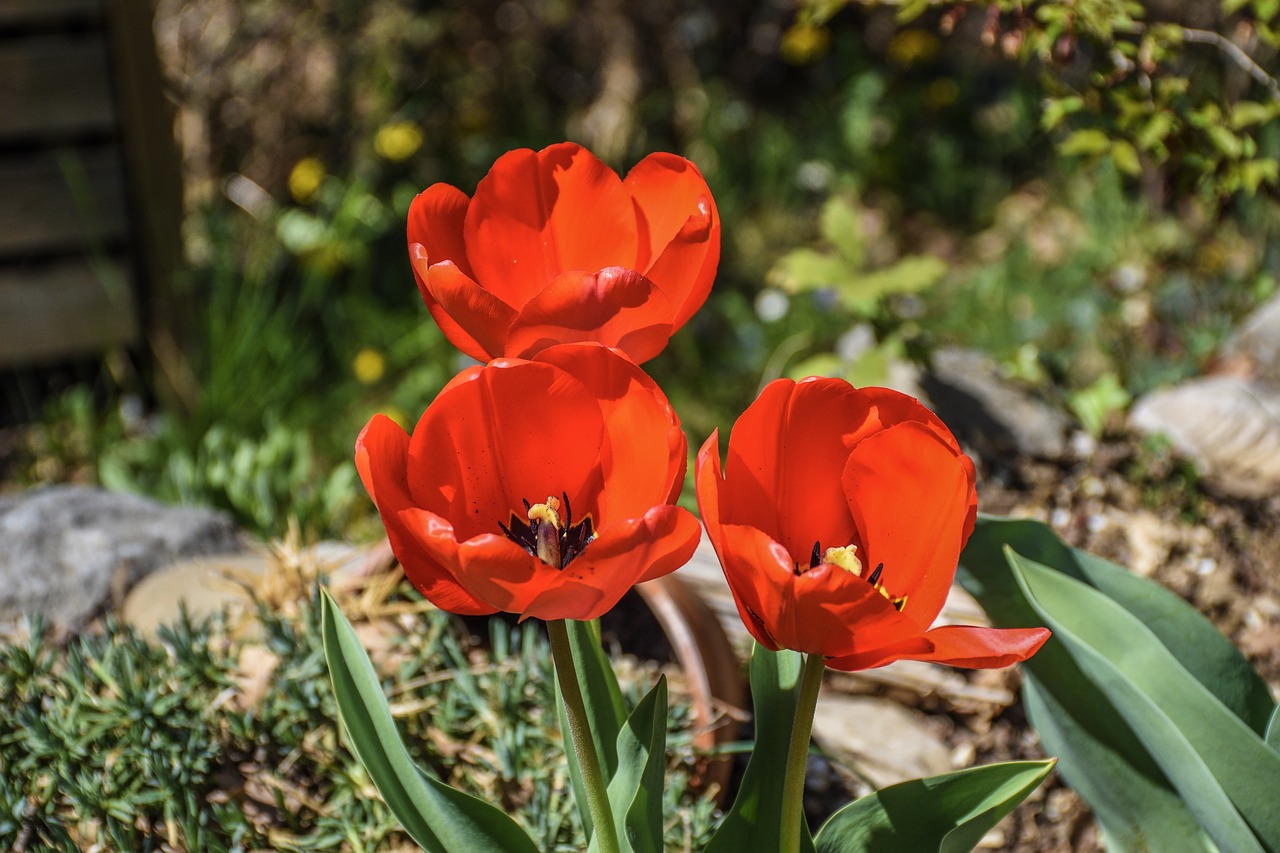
606 709
635 791
754 820
949 813
1211 756
1273 729
1104 778
439 818
1197 644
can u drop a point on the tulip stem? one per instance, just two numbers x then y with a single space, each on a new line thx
798 754
575 711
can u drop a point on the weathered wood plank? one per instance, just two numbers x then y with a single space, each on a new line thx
61 200
66 308
55 87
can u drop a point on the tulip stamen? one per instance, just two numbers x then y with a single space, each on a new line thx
847 559
546 536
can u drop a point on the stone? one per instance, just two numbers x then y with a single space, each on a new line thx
1254 349
880 740
1229 426
988 414
202 586
66 551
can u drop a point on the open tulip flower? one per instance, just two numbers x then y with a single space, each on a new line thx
839 519
555 248
543 487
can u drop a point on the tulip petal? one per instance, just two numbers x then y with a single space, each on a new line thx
435 222
909 494
511 431
784 453
539 214
498 571
964 646
624 554
643 462
381 457
473 320
679 230
616 306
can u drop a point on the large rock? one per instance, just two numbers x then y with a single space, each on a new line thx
67 550
988 414
1227 425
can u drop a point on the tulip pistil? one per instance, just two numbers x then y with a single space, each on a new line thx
846 557
554 540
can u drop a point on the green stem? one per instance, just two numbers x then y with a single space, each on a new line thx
798 754
575 711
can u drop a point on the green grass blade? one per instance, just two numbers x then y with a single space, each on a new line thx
439 818
1273 729
948 813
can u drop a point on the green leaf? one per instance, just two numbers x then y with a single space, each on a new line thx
1210 756
1197 644
1135 806
948 813
1102 755
860 293
1085 143
1273 729
808 269
635 791
754 820
839 226
1125 156
1095 405
437 817
605 708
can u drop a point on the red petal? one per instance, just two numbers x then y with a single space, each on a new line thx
708 479
679 230
459 301
497 571
909 494
643 461
381 459
435 221
785 455
537 215
825 610
954 645
512 430
456 335
615 306
624 554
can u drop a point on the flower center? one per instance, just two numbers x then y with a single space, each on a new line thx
846 557
553 539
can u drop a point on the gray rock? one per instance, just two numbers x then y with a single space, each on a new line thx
66 550
988 414
1255 347
1228 426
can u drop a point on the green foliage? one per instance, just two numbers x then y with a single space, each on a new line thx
1158 720
948 813
127 744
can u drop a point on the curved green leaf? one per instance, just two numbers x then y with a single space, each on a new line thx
1210 756
1273 729
754 820
1197 644
948 813
635 791
439 818
606 709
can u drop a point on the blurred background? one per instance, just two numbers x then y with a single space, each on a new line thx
1082 193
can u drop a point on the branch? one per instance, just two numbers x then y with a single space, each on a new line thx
1236 54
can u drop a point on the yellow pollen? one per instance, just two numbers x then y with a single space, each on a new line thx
549 512
845 557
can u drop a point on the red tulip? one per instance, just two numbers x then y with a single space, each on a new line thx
839 520
555 248
542 487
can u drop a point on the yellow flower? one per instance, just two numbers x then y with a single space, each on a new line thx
368 366
305 179
398 140
803 43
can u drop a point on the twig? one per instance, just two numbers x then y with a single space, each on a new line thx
1237 54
